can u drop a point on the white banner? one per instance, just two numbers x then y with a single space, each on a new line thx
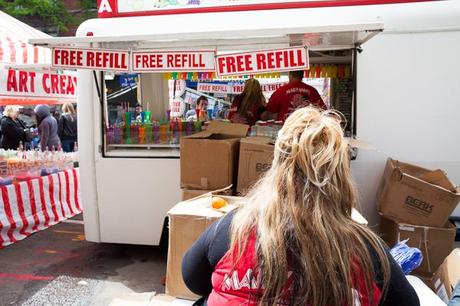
248 63
235 88
95 59
165 61
126 8
214 88
18 83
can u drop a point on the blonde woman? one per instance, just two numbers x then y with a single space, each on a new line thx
248 106
294 242
67 129
12 129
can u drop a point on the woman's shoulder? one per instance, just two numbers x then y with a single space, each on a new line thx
7 121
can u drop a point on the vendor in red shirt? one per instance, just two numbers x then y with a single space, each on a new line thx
292 96
248 106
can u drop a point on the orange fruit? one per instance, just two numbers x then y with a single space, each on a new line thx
218 203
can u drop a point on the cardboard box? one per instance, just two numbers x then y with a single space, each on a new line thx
209 159
447 276
416 195
256 156
187 221
434 242
188 194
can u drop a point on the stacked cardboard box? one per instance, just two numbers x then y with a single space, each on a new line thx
187 221
256 156
415 203
209 159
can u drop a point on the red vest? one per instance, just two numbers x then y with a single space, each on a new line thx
241 286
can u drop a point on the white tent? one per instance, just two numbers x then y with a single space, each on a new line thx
25 74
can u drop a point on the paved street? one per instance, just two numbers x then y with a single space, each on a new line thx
58 267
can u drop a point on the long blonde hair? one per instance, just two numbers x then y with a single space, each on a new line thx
301 212
252 96
68 108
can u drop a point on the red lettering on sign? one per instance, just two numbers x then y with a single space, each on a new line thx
300 58
98 61
261 61
45 85
271 60
54 83
278 59
65 57
145 60
248 62
221 64
80 58
32 81
105 59
62 84
113 60
231 67
71 87
158 60
23 81
90 59
57 55
124 64
240 63
169 60
176 61
72 55
11 84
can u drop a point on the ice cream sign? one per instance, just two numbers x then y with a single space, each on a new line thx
254 62
125 8
46 85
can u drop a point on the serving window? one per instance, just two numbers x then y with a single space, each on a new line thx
147 114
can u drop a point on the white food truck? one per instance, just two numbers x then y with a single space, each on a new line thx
406 95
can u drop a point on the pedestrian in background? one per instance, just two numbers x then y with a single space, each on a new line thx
67 129
249 105
13 131
47 128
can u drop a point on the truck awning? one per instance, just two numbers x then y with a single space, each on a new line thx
317 38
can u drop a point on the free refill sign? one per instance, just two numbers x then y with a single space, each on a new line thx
254 62
164 61
95 59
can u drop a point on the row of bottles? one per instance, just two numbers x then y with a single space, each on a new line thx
161 132
268 129
22 165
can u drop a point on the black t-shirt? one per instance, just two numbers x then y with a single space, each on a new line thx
199 262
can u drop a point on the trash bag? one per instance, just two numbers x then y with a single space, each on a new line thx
407 257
